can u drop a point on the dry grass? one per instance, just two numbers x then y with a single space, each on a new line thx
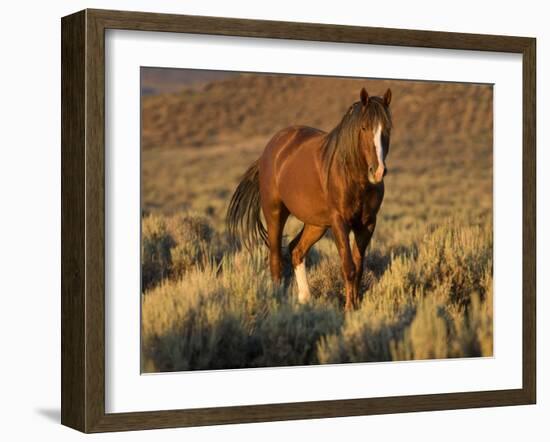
428 281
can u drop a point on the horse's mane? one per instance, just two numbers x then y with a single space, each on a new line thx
342 143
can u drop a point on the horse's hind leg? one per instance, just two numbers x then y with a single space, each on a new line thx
275 215
299 247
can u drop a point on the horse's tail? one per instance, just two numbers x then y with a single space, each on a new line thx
243 217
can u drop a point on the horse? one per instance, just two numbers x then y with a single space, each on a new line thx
326 180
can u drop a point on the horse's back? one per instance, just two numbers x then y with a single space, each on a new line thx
291 138
288 143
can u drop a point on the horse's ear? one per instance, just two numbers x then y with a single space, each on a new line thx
364 96
387 97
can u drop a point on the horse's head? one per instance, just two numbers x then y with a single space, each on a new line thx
374 136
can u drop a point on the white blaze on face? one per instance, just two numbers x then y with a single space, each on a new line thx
379 152
378 144
301 280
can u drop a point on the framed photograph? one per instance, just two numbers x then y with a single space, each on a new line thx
268 221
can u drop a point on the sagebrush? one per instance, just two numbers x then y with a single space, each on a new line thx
433 302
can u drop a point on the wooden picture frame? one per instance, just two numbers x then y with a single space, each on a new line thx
83 220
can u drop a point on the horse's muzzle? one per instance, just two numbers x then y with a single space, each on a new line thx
380 173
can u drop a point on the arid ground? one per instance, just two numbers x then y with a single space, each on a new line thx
427 288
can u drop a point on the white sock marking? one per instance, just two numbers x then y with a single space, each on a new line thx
301 280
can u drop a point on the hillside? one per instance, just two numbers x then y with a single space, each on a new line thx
250 105
166 80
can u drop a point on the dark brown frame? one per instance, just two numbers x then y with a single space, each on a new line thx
83 216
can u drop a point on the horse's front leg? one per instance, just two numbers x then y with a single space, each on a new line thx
362 236
341 230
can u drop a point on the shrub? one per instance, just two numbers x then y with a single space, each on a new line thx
326 281
208 338
187 326
203 320
426 336
290 335
435 302
365 337
155 250
456 258
192 236
173 245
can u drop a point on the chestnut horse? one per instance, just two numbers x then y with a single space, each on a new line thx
326 180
